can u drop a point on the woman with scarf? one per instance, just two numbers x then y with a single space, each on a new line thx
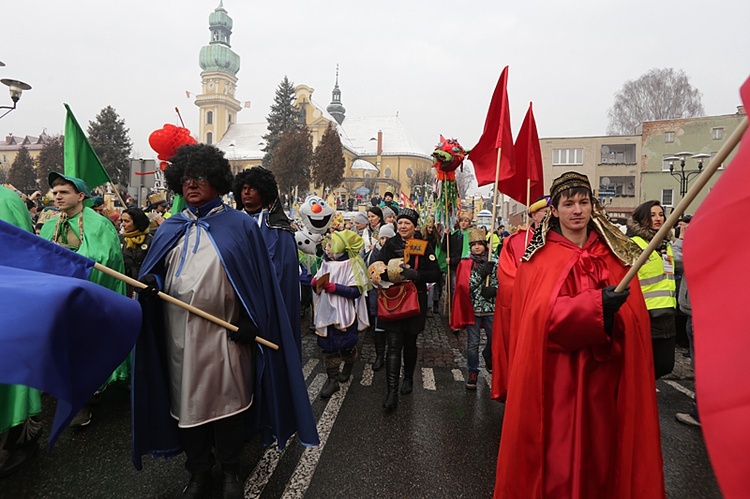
135 242
657 283
474 302
340 306
402 334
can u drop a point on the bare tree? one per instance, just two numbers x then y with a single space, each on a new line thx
464 179
660 94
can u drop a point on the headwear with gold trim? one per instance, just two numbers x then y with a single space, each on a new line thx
626 250
477 236
464 215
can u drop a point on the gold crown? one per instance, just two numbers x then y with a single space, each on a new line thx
476 236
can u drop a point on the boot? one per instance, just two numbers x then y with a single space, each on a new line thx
393 372
233 488
331 385
406 386
379 339
199 485
435 308
346 372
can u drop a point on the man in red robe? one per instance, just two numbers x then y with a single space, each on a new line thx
510 258
581 416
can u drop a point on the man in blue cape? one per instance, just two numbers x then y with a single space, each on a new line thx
197 385
256 192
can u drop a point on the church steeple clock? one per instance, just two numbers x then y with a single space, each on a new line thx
217 106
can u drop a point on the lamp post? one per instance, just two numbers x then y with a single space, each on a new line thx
684 176
16 88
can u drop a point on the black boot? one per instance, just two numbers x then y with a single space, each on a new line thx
410 363
199 485
331 385
346 372
406 386
379 338
392 370
233 488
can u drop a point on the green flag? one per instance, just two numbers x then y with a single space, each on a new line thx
80 159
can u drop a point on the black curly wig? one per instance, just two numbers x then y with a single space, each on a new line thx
199 160
262 180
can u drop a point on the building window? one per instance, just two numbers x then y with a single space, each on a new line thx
230 118
618 154
667 197
387 173
210 118
567 156
669 137
209 138
717 133
665 164
409 172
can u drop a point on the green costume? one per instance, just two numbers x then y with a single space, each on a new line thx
17 402
100 243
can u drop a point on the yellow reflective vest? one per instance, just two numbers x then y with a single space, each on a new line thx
657 278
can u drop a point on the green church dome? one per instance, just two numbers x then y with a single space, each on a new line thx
218 55
219 17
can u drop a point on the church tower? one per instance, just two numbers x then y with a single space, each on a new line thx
217 106
335 108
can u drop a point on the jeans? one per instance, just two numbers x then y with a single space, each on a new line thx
689 332
472 342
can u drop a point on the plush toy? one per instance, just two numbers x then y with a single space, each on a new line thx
316 214
306 240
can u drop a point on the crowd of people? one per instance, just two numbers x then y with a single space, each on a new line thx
565 349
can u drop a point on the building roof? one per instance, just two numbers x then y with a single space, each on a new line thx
244 141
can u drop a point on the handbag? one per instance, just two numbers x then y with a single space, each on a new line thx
398 302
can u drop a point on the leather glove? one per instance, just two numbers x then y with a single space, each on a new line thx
329 287
488 292
410 274
486 269
246 333
611 303
151 291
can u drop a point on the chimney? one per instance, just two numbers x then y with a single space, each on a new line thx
741 110
380 142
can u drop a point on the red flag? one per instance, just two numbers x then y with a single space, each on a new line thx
529 164
405 201
497 134
717 274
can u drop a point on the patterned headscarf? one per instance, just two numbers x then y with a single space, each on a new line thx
623 247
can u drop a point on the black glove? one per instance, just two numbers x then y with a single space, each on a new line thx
486 269
488 292
611 303
245 333
410 274
151 290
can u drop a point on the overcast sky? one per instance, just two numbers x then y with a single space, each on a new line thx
435 63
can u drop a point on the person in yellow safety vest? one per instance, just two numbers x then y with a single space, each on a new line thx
656 277
493 240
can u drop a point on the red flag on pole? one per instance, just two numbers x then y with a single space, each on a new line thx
529 164
717 275
405 201
497 134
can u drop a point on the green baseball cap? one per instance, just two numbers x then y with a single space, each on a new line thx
79 184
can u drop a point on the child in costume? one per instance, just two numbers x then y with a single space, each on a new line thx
474 302
340 306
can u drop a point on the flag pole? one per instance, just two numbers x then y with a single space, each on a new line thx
117 193
700 183
494 204
138 284
448 250
528 215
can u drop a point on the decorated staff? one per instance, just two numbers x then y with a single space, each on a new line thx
448 156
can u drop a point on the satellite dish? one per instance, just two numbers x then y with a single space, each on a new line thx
605 181
605 149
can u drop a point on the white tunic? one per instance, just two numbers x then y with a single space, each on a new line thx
335 310
211 377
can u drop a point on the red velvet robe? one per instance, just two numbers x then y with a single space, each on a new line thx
581 419
514 247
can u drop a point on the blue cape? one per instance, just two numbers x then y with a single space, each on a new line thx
281 405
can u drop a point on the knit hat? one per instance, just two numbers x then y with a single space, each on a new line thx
387 231
377 211
387 212
409 214
361 218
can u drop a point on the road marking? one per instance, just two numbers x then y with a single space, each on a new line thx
258 479
367 375
309 368
680 388
302 476
458 375
428 378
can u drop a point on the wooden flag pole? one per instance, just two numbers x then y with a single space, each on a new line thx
138 284
448 250
119 198
494 203
700 183
528 215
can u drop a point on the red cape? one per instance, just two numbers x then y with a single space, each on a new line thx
462 313
638 461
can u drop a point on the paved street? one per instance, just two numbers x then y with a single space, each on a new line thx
441 442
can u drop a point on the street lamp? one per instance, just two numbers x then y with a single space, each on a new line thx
682 175
16 88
